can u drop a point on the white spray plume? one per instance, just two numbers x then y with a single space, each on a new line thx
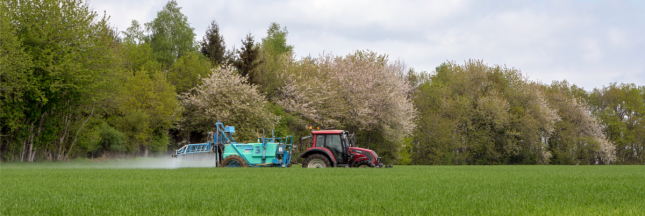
163 162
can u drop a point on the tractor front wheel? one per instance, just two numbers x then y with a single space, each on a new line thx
316 161
364 164
234 161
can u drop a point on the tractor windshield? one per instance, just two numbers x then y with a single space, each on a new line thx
320 140
333 143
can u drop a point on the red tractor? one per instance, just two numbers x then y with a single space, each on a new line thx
335 148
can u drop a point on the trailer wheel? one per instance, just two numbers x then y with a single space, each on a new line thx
364 164
316 161
234 161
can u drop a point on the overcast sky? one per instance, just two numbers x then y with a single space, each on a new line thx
589 43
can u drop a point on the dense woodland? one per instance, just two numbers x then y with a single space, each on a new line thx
73 86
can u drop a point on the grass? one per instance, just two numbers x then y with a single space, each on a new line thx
59 189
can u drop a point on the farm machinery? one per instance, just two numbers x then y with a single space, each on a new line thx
329 148
267 152
337 148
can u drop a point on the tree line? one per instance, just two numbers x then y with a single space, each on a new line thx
72 85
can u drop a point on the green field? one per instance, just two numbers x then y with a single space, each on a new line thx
63 189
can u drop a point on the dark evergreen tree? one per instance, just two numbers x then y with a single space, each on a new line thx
248 58
213 45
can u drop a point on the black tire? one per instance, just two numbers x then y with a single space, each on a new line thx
236 159
316 161
364 164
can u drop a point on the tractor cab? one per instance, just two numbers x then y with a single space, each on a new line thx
336 148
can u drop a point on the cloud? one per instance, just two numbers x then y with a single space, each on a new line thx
591 49
617 37
587 43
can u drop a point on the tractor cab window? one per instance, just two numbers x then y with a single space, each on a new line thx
334 145
320 140
344 140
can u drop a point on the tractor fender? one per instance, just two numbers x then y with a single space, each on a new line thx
359 158
319 150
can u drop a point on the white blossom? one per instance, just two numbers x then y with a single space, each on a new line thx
362 90
225 96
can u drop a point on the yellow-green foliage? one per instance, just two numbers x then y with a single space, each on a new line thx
478 114
73 58
139 57
621 109
578 137
185 73
148 104
15 73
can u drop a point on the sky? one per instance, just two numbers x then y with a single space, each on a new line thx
588 43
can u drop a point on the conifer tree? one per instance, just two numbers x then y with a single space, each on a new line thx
248 57
214 46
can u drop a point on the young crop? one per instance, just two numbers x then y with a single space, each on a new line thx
96 189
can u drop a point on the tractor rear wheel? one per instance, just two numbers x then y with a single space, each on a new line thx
316 161
234 161
364 164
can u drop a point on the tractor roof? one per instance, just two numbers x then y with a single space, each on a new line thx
326 131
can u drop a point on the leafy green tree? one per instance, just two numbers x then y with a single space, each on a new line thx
578 138
185 73
15 81
149 107
111 139
267 74
621 109
248 58
274 50
139 57
170 34
73 54
135 34
213 46
276 40
135 125
137 51
478 114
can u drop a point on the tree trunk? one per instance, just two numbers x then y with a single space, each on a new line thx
40 127
145 151
26 148
32 156
79 131
30 145
67 122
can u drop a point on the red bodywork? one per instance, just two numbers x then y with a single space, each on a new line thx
329 154
360 154
363 154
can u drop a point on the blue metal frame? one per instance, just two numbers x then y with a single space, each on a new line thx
286 158
195 148
223 135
